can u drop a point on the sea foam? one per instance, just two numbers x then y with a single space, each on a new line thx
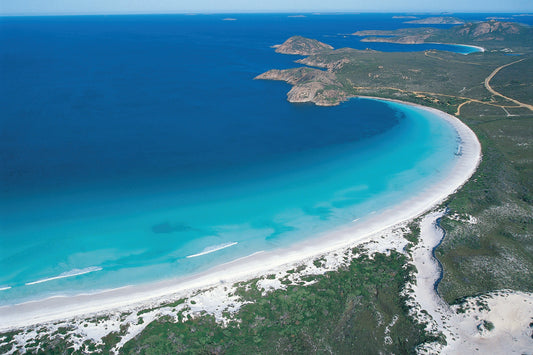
212 249
71 273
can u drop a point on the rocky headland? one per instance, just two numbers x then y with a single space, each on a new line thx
309 85
299 45
333 76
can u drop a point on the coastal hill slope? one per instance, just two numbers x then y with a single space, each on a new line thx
490 34
309 85
489 31
299 45
348 72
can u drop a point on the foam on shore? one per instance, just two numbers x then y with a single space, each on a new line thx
71 273
266 262
212 249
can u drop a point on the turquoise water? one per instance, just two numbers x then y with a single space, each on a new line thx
104 241
140 148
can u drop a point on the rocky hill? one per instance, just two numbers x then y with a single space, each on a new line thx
309 85
302 46
490 30
491 33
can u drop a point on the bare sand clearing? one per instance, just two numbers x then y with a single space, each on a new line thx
495 323
364 230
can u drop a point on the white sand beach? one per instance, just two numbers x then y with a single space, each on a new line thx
479 48
360 231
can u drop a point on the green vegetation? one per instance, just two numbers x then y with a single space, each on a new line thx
497 251
170 304
516 81
357 307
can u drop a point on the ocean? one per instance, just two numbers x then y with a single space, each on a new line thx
139 148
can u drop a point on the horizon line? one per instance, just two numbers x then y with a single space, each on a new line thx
273 12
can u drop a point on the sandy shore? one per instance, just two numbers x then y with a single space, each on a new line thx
57 308
480 49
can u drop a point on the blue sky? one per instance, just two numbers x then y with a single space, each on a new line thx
9 7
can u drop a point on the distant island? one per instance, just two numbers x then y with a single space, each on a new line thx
404 17
439 20
299 45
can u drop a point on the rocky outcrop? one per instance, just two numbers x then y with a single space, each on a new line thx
309 85
323 63
333 60
302 46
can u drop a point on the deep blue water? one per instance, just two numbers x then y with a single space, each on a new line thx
128 143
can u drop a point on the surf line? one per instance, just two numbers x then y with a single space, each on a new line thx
71 273
212 249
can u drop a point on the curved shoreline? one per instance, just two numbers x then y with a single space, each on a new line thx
136 297
479 49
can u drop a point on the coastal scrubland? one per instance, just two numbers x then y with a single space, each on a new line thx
361 305
355 307
489 243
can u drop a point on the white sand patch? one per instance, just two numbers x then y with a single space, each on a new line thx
425 304
464 218
388 339
267 285
215 301
500 327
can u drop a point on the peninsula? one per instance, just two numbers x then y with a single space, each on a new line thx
490 34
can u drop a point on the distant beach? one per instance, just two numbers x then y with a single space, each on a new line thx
476 49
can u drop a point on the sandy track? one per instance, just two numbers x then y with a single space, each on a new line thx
494 92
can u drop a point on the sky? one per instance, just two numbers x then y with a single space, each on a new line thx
50 7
